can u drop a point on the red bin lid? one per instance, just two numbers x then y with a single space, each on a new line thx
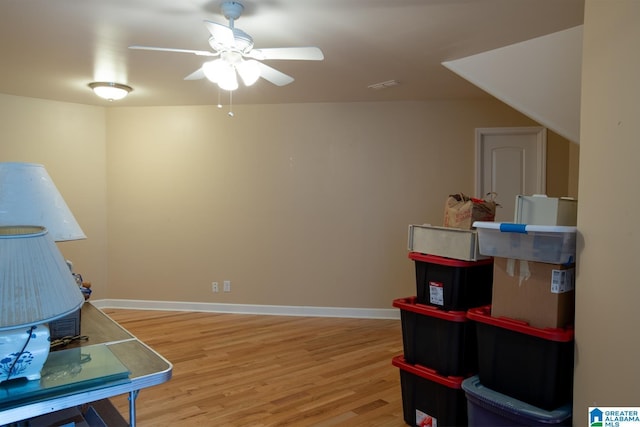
483 315
427 373
449 262
409 304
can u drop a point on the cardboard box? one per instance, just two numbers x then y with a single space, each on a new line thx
445 242
462 211
538 293
543 210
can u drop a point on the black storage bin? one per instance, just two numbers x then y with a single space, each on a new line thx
529 364
452 284
442 340
425 395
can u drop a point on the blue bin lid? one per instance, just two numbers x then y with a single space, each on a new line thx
512 408
508 227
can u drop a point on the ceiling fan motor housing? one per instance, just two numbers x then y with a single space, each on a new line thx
243 42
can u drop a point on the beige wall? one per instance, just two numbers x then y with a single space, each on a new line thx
574 168
69 140
295 204
562 171
607 291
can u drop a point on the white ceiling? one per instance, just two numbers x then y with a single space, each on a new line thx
53 48
540 77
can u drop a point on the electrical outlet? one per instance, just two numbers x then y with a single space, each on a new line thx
214 287
227 285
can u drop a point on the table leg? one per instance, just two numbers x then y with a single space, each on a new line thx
132 407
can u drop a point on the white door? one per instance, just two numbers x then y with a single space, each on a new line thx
510 161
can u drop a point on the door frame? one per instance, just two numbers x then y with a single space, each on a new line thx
541 147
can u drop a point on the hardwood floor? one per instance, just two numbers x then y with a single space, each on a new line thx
249 370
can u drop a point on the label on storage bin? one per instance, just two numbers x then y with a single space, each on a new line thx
562 281
425 420
436 293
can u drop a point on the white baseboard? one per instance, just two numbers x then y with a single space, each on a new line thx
276 310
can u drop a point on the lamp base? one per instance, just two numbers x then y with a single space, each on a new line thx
23 352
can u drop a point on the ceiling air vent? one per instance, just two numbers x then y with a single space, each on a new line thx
383 85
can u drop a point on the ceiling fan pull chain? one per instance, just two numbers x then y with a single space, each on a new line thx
230 104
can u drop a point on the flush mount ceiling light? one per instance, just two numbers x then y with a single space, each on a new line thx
110 91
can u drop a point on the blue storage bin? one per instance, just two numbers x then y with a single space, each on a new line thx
486 407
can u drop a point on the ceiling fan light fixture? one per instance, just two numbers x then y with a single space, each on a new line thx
227 79
236 55
221 72
213 70
249 71
229 82
110 91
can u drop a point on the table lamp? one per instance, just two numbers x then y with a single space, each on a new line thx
29 196
36 287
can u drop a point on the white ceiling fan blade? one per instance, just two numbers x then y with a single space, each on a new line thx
168 49
196 75
288 53
222 34
274 76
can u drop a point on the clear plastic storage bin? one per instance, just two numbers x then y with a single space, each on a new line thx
552 244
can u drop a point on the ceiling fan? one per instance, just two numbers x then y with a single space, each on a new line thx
236 55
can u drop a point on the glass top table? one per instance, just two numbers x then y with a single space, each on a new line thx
113 362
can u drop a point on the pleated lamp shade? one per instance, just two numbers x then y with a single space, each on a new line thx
29 196
36 285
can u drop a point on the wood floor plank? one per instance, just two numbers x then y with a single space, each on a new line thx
248 370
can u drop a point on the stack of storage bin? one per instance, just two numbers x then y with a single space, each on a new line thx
439 341
525 338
